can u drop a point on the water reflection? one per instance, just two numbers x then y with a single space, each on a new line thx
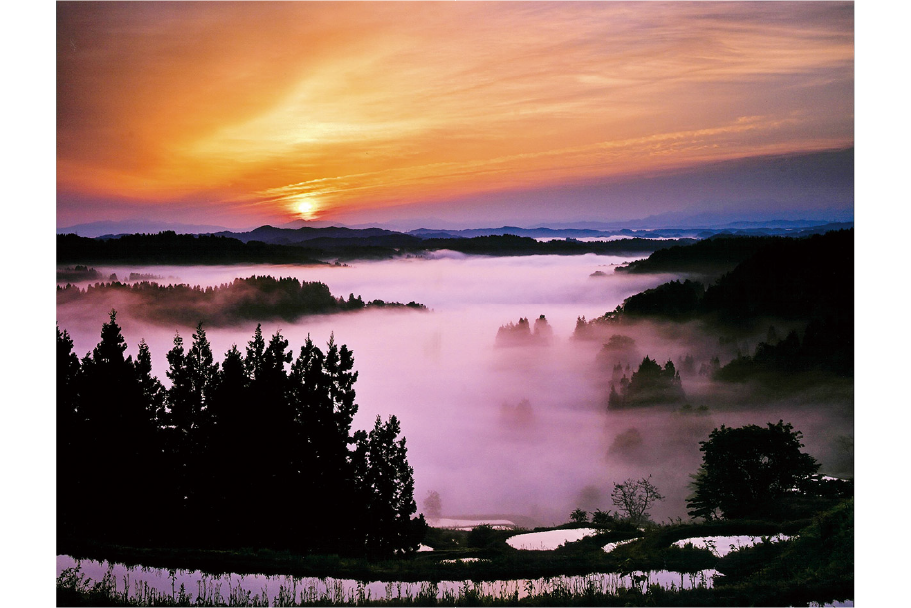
196 584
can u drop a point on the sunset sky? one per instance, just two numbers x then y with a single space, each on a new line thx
241 114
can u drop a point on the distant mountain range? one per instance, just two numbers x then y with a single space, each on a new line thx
318 237
333 244
300 231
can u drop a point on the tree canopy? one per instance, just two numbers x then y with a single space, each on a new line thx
227 448
746 468
244 299
634 497
649 385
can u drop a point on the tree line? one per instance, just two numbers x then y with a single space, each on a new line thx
521 334
748 472
811 278
256 451
715 254
510 244
243 299
808 282
170 248
649 385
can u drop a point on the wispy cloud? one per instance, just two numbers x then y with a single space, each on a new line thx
250 103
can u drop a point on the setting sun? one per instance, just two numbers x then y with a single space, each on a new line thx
306 208
435 109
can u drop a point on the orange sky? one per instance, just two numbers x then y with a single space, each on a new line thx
246 113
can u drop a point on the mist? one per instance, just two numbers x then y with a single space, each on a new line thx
508 430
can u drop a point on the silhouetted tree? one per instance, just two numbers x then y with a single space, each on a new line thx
118 437
240 444
514 334
182 406
634 497
481 536
153 393
271 426
70 433
578 516
228 460
203 373
255 349
180 394
386 487
67 373
521 333
649 385
602 518
743 469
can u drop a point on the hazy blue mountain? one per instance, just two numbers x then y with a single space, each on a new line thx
292 236
676 225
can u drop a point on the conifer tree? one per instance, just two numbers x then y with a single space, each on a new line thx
255 348
386 487
153 393
202 373
339 366
244 443
182 433
69 433
269 429
228 458
67 372
119 436
180 395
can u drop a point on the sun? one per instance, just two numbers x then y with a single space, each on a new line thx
305 207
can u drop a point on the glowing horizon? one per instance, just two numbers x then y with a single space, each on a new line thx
258 112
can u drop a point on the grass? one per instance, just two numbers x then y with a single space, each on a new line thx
73 588
817 566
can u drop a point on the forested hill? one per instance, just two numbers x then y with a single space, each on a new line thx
171 248
808 278
249 299
806 283
714 255
508 244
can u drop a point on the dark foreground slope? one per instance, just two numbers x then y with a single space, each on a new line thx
805 285
802 279
711 256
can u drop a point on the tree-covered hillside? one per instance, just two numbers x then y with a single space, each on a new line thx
806 283
245 453
251 298
171 248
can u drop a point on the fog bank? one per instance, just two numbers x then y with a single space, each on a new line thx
496 430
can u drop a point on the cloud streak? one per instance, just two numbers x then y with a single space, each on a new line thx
391 103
